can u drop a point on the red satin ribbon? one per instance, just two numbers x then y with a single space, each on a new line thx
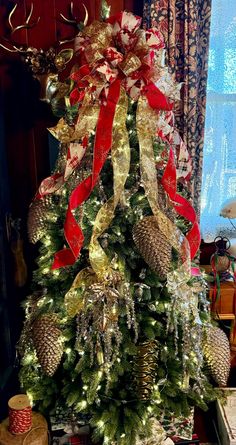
102 145
103 141
156 98
181 205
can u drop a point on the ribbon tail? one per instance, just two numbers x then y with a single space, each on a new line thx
103 140
181 204
156 99
146 128
121 164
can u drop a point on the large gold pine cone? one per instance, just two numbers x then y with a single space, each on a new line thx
216 349
153 245
145 367
47 341
37 217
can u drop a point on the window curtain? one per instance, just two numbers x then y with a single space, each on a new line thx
219 167
186 26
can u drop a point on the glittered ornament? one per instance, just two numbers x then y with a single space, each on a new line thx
216 351
48 343
98 321
145 367
220 263
37 218
153 245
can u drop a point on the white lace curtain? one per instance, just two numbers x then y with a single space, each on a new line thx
219 165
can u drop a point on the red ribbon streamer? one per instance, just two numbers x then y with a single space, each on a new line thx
156 99
102 146
103 142
181 205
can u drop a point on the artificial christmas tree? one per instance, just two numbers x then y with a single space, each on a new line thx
130 311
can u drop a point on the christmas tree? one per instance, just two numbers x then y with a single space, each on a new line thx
118 321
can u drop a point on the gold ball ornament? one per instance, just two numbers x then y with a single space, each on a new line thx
47 341
221 263
216 350
153 245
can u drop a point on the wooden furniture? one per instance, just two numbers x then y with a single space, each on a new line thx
226 418
38 435
225 306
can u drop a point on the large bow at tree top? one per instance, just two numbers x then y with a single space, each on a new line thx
119 60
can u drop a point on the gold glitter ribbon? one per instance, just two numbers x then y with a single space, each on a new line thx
88 117
121 164
100 38
74 300
146 128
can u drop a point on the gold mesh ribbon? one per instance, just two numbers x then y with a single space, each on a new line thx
100 38
74 300
146 128
121 164
88 117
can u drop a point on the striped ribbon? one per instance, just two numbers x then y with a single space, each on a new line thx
20 420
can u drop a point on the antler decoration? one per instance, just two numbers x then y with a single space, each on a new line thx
74 21
44 62
25 25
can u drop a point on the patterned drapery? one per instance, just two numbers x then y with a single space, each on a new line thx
185 25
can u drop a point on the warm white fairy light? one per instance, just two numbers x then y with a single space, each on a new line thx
41 302
47 241
56 272
30 396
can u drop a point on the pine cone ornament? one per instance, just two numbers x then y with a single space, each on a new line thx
47 341
216 351
37 218
145 369
153 245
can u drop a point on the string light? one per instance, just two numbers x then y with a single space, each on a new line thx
30 396
47 241
56 272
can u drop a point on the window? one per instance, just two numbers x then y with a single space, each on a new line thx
219 156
